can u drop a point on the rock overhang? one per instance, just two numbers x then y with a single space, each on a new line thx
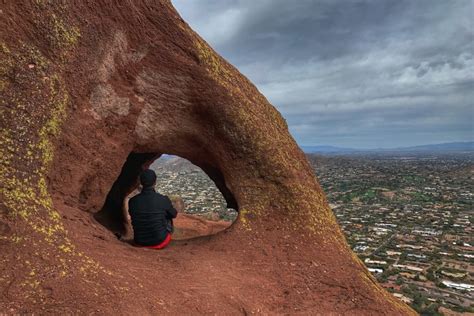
105 83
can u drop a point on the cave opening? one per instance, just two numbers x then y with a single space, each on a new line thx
197 190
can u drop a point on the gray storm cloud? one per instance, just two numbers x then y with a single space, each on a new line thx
374 73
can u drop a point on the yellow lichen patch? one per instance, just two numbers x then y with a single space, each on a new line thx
32 111
318 219
66 248
247 216
17 239
20 194
243 218
65 35
5 65
212 62
59 100
90 267
61 35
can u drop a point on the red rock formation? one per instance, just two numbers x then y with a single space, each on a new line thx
93 91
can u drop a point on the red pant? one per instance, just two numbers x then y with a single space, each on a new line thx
162 245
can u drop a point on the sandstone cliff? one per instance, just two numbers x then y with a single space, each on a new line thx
93 91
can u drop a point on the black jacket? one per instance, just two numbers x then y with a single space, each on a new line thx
150 212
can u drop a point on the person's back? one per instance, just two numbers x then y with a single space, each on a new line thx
150 212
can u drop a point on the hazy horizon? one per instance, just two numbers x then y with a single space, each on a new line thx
359 74
386 147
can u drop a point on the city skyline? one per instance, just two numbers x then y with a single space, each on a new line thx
359 74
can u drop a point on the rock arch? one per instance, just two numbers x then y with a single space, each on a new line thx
87 83
111 214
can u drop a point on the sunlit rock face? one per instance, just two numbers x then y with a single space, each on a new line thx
92 93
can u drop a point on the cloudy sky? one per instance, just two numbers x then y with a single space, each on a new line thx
353 73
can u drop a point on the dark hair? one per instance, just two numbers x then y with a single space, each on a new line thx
148 178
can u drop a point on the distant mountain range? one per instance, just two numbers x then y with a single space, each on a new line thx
433 148
174 164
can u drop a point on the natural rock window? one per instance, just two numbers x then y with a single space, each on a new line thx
202 208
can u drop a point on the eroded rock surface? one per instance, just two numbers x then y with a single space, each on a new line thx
86 85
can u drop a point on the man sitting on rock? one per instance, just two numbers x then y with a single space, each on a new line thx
151 214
